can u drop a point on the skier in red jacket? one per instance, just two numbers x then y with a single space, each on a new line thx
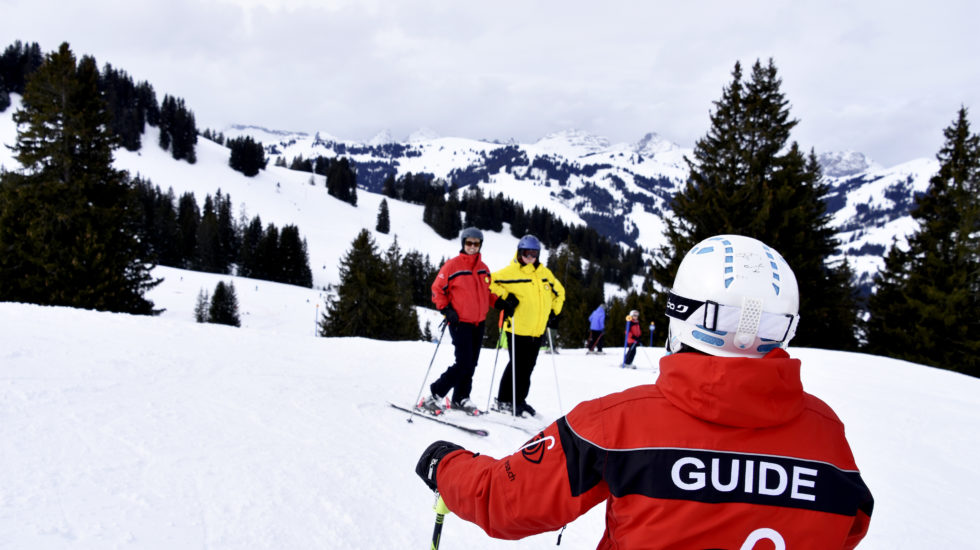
724 451
461 291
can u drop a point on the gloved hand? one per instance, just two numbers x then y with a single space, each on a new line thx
429 461
553 320
450 314
507 306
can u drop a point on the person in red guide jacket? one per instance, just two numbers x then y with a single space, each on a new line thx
725 450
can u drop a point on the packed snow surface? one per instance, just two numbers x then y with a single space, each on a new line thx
128 432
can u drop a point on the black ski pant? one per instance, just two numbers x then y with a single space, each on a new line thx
525 350
595 339
468 340
631 353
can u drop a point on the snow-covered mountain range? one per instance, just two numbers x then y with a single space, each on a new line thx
622 190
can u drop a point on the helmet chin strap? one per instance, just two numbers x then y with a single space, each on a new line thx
748 322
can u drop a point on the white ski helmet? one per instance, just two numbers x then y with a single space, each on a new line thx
733 296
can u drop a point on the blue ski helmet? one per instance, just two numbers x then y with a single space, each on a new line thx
470 233
529 242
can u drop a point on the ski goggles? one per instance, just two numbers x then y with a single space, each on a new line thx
750 319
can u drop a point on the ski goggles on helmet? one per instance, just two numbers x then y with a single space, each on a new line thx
748 319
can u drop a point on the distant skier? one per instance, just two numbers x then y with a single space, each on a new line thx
461 292
597 328
633 334
725 450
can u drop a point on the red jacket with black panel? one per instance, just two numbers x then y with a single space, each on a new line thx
464 282
719 453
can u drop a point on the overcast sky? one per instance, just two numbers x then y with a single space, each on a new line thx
880 77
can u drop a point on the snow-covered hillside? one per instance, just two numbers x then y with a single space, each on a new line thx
126 432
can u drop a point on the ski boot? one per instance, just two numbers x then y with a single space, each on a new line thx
467 406
524 409
433 405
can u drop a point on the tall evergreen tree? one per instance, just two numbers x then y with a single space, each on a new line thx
294 257
228 234
384 222
208 253
178 130
69 220
201 307
746 178
419 273
926 304
248 260
367 298
404 320
224 305
341 180
17 62
188 219
573 330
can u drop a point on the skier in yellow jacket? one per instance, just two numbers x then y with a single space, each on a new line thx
531 296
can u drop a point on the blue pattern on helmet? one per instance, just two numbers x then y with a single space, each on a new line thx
708 339
775 268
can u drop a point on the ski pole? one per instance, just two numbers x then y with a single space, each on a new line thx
551 341
442 333
441 511
513 367
653 366
626 339
493 373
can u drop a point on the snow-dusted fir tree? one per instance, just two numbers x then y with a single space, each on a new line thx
68 219
926 307
747 178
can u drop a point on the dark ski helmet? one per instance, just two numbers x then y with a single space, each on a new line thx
470 233
529 242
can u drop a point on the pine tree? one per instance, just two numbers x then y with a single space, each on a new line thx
248 261
294 257
384 223
228 236
247 155
926 304
746 178
341 180
17 63
268 263
404 320
201 307
188 220
419 274
69 220
208 246
224 305
367 299
566 264
178 130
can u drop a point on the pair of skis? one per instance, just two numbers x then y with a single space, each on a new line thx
415 412
494 418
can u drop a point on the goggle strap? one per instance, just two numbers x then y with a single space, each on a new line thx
721 318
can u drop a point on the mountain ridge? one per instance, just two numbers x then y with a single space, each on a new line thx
623 190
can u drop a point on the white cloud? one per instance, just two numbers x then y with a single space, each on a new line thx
865 76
